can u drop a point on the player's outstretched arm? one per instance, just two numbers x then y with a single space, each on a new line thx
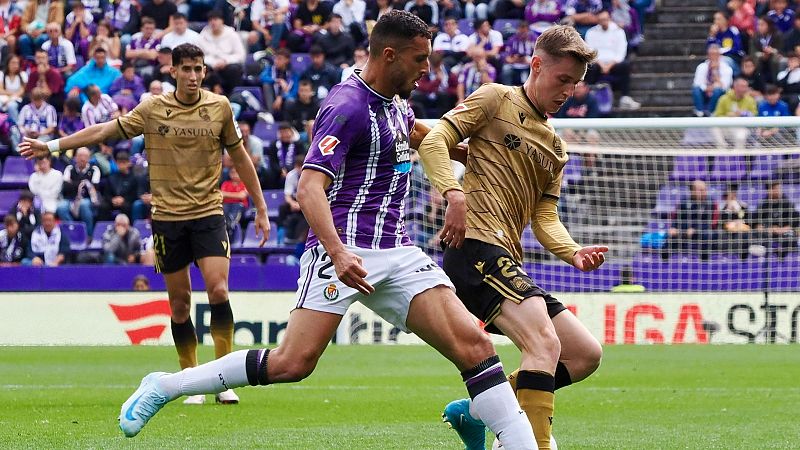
314 203
247 172
95 134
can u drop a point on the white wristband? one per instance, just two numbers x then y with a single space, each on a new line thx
53 146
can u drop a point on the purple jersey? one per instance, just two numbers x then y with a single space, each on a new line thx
361 142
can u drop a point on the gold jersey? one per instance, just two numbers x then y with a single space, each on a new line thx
515 160
184 144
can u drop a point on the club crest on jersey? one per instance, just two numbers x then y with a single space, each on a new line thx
204 114
331 292
328 144
459 107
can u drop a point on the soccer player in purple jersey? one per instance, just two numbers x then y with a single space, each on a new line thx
355 178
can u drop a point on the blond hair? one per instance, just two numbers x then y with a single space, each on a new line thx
563 40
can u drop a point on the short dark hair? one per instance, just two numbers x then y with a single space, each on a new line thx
125 66
183 51
393 26
316 50
10 219
284 125
147 21
215 14
26 195
73 103
178 15
772 89
336 16
284 52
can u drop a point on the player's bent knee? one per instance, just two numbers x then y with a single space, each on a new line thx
218 292
480 347
591 358
543 342
288 368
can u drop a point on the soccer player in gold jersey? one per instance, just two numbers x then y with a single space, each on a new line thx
515 165
185 133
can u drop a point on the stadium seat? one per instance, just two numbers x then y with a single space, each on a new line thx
573 170
765 167
16 172
751 195
77 235
7 199
97 235
274 199
5 150
300 62
251 241
729 168
668 199
529 242
256 93
689 168
466 26
267 132
144 227
506 26
792 192
245 260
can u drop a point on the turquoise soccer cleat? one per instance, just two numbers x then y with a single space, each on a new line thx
472 431
142 405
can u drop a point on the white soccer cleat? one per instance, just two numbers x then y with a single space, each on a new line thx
497 445
227 397
195 400
142 405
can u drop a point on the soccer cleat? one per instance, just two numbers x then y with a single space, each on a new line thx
227 397
142 405
195 400
471 431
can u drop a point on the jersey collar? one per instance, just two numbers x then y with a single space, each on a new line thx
357 73
530 103
199 97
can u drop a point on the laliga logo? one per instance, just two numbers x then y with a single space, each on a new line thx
130 313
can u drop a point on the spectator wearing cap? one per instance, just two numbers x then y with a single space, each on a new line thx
45 77
612 48
79 27
322 74
143 49
97 71
336 42
451 43
28 216
122 243
13 244
47 246
179 33
60 51
127 89
436 93
45 183
309 18
279 81
224 51
38 119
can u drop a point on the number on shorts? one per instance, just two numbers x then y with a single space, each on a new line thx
321 273
508 268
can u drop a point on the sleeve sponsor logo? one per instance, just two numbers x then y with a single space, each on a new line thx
459 107
328 144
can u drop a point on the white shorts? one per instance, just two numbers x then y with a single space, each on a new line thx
397 274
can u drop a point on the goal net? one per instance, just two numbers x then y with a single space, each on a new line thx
684 204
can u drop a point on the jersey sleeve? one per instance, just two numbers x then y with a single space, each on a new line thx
132 124
231 134
336 129
474 112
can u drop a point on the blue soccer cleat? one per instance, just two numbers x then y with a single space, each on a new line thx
142 405
472 431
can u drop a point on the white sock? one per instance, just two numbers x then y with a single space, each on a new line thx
498 408
213 377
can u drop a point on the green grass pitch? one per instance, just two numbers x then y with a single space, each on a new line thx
391 397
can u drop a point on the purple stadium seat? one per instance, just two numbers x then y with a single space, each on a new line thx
268 132
76 231
16 172
782 273
729 168
5 150
144 227
506 26
274 199
466 26
572 171
554 276
689 168
97 235
254 91
690 274
792 192
251 241
529 242
7 200
668 199
765 167
751 195
300 62
245 260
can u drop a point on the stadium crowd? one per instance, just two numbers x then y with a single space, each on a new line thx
67 65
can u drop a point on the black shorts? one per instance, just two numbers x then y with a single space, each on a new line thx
177 244
485 275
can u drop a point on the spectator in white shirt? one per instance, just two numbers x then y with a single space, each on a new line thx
99 109
180 34
63 59
451 43
224 52
712 79
612 47
38 119
270 23
46 183
352 13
